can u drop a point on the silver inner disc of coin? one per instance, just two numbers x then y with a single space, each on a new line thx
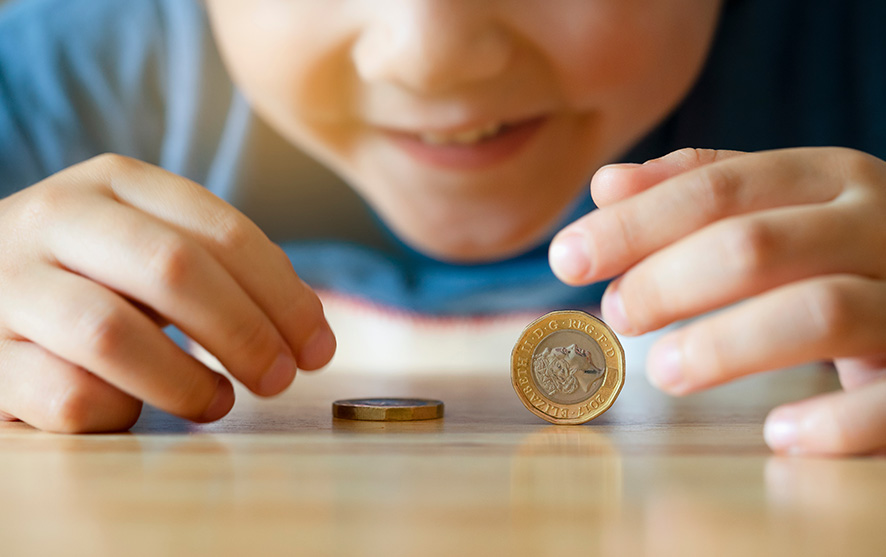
568 367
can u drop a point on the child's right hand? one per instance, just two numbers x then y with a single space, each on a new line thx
97 259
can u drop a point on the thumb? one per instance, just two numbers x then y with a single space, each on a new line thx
619 181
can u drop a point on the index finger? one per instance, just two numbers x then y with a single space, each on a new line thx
610 240
615 182
258 265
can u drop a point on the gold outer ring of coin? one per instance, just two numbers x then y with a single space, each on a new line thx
388 409
527 389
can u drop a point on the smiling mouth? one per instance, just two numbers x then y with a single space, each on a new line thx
469 149
467 137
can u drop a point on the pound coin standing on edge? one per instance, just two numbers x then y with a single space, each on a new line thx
568 367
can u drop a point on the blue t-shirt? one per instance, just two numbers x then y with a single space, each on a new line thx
143 78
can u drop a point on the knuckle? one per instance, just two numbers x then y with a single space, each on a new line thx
681 158
687 157
101 329
749 246
625 231
170 261
191 396
116 164
232 231
72 410
41 205
714 191
858 166
692 157
81 409
253 339
829 308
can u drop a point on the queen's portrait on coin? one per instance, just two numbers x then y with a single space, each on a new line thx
564 370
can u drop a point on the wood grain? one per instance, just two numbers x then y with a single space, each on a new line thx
653 476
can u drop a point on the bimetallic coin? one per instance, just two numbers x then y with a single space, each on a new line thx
388 409
568 367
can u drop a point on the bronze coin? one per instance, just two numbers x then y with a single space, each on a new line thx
387 409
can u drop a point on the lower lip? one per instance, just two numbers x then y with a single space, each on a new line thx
485 153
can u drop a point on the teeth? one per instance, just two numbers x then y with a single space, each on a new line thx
467 137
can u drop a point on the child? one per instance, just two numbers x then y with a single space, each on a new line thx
467 130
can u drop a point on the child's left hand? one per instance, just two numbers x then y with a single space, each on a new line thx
798 234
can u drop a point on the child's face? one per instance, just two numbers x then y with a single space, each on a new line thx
469 125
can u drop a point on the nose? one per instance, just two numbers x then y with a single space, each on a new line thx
431 46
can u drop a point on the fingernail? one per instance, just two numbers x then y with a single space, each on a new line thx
613 309
221 402
665 366
610 173
318 349
782 431
278 376
569 257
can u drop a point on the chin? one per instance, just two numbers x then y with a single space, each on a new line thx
471 255
481 246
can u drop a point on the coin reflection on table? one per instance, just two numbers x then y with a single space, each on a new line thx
568 367
566 467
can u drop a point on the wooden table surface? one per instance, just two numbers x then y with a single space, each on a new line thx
653 476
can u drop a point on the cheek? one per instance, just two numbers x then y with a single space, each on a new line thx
617 52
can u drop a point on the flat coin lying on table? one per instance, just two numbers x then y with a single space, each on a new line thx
387 409
568 367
